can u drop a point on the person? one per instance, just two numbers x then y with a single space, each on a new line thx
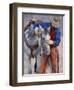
55 38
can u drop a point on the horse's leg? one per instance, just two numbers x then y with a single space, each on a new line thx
35 66
27 59
27 64
33 61
32 64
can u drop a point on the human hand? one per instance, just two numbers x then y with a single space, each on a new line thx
49 42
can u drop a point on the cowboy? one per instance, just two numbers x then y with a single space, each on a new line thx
55 38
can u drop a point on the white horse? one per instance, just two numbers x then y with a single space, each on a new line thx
31 54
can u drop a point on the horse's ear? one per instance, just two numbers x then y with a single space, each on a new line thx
27 26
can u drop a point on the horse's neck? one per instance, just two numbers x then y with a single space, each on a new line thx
39 41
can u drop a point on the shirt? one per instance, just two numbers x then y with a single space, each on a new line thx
54 33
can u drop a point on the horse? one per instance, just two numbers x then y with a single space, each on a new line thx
34 46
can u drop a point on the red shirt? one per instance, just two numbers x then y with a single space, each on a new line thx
52 33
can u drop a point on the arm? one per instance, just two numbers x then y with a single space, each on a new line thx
56 40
